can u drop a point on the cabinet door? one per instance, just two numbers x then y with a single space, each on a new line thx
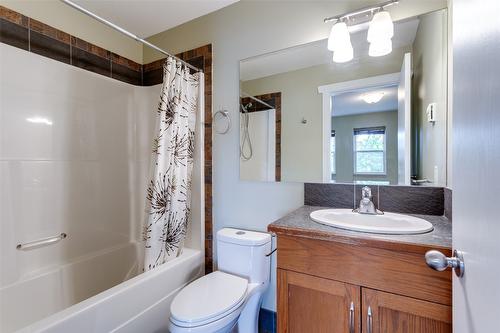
390 313
312 304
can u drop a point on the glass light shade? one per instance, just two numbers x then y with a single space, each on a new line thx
381 27
339 36
344 54
380 48
373 97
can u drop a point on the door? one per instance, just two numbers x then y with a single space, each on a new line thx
311 304
404 117
476 164
390 313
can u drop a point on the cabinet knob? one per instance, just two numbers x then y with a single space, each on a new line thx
439 262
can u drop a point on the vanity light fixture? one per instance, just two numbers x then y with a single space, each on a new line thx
380 34
339 42
373 97
380 31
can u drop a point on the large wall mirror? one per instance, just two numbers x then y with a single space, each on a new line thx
371 120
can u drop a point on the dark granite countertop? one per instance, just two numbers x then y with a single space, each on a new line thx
298 223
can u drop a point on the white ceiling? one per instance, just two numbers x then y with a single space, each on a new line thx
145 18
316 53
351 103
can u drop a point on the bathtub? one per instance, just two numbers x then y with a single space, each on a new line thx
89 296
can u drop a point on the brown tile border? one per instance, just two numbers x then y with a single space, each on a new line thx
273 99
132 65
49 31
202 57
14 34
13 17
90 48
37 37
53 43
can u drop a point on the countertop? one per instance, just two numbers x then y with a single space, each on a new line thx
298 223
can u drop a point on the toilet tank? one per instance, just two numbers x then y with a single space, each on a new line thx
243 253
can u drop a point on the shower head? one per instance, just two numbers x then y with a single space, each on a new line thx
245 107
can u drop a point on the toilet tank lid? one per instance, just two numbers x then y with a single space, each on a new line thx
243 237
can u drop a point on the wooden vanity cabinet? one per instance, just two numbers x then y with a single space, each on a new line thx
334 287
389 313
312 304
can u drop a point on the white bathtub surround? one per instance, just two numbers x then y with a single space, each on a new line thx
81 168
168 197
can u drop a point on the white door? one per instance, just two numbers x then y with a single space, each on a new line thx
404 116
476 164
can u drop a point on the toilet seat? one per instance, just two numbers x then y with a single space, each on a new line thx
208 299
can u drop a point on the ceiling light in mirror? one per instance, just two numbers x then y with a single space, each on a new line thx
373 97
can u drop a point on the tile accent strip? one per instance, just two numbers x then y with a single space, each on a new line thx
201 57
398 199
14 28
31 35
273 99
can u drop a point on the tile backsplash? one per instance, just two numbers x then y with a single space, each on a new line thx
398 199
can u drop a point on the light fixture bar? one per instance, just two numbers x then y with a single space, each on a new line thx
381 6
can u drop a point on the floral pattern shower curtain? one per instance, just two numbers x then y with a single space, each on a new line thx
168 197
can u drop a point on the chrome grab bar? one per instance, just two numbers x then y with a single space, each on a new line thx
41 242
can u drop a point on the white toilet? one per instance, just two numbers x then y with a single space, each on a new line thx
227 300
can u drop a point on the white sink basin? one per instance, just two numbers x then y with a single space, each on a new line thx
388 223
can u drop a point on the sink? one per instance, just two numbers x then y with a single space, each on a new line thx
388 223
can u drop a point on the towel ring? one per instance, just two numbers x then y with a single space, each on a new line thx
224 114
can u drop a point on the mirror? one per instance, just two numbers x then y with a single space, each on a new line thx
371 120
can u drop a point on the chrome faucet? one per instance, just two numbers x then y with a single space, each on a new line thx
366 205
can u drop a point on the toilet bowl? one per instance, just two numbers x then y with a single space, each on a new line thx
229 299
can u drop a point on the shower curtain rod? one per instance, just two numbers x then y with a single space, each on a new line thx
127 33
257 100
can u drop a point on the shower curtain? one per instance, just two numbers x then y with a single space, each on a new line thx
168 197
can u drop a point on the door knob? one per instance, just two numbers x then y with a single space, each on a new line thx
439 262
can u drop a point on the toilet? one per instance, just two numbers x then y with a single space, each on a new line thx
229 299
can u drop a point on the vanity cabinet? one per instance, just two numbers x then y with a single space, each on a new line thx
358 286
312 304
389 313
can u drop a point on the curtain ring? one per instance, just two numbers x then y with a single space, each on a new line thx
224 114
